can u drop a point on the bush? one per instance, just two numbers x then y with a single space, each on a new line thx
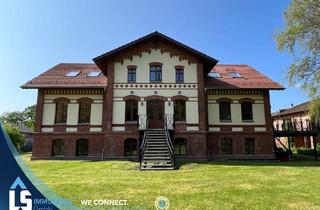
308 151
17 138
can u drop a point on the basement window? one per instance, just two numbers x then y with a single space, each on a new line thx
94 74
72 73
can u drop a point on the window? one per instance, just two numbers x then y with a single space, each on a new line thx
94 74
226 146
235 74
84 111
72 73
61 112
224 111
180 110
131 75
155 74
180 146
246 111
82 147
131 110
179 76
214 74
249 146
130 147
57 147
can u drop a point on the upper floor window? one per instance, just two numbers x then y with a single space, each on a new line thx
155 73
249 146
84 111
246 111
131 110
224 111
214 74
180 110
179 75
61 112
131 75
226 146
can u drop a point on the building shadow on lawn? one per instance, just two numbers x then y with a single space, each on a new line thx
254 163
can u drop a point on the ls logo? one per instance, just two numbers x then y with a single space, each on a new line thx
25 202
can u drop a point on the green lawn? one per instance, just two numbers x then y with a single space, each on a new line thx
196 185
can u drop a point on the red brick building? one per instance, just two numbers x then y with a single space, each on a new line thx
153 88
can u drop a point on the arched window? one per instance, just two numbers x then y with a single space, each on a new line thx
61 110
82 147
131 110
246 111
180 146
155 73
226 146
180 110
84 110
249 146
57 147
224 111
130 147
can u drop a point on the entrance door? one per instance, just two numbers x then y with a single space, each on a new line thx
155 113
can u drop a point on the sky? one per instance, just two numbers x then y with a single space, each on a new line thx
36 36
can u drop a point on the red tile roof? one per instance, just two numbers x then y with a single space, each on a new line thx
55 77
300 108
251 78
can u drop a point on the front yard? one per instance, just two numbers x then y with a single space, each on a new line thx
196 185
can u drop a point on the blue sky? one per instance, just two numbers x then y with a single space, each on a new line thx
36 36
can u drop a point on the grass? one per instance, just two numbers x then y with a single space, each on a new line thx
195 185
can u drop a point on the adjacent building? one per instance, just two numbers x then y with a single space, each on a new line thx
102 109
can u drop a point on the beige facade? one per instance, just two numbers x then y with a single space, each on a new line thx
49 109
143 88
258 111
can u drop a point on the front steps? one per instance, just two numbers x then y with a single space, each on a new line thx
156 155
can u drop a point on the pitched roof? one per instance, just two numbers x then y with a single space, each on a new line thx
300 108
250 78
209 62
55 77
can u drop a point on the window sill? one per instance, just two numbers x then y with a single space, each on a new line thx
227 121
83 123
155 81
60 123
180 122
131 122
249 121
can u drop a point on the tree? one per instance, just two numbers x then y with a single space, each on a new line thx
17 138
24 118
301 38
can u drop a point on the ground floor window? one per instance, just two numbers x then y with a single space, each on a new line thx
130 147
226 146
82 147
57 147
180 146
249 146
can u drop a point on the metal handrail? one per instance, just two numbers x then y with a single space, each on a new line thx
169 142
143 144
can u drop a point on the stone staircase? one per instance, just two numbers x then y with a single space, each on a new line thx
156 154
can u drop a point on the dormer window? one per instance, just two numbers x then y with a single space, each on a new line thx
93 74
214 74
72 73
235 74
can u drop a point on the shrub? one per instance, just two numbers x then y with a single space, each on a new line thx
308 151
17 138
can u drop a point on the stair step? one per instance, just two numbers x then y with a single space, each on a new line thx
156 158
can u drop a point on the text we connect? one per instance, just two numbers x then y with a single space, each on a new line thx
104 202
